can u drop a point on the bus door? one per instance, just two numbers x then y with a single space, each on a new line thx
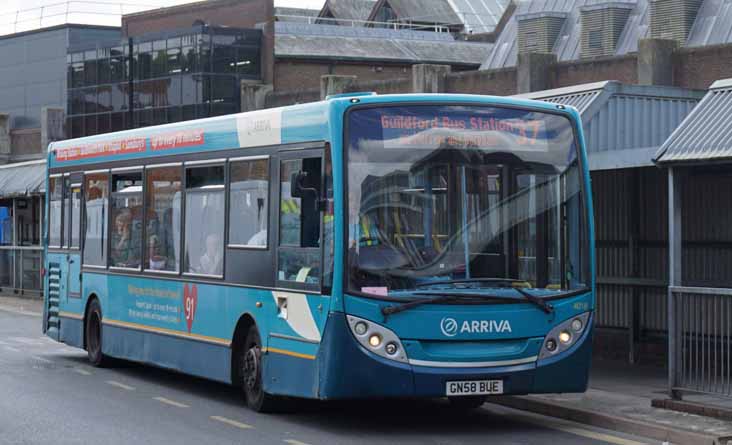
300 312
72 204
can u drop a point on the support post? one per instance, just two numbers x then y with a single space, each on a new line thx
428 78
633 250
254 95
655 61
333 84
4 138
533 72
674 273
52 126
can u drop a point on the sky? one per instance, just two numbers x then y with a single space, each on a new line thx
22 15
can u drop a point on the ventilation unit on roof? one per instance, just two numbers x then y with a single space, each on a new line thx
673 19
602 25
537 33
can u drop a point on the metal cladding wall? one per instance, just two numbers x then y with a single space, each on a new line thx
33 70
706 230
632 247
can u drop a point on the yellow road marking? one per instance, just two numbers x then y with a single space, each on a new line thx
82 371
171 402
120 385
568 428
295 442
243 426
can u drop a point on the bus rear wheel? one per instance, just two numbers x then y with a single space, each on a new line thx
94 335
250 364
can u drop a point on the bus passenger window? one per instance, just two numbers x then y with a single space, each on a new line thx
300 219
96 187
204 220
54 217
162 218
126 237
248 209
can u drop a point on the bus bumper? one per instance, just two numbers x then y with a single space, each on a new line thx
348 371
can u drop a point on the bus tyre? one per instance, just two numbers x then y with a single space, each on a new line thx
94 335
250 364
467 403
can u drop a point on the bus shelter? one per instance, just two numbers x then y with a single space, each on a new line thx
21 220
697 159
624 127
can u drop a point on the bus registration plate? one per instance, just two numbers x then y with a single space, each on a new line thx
474 387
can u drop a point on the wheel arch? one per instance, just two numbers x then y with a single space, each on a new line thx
246 321
92 297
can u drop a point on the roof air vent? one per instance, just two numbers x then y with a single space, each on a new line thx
602 25
673 19
539 31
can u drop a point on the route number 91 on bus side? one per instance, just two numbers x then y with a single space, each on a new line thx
362 246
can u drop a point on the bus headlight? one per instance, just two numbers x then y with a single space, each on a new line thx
564 335
377 339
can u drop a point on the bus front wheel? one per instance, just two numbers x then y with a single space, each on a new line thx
94 335
250 364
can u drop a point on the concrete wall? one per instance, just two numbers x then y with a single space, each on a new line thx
700 67
497 82
293 75
622 68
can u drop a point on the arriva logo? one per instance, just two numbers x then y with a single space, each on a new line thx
449 326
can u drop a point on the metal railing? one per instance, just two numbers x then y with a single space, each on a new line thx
700 343
20 269
86 12
354 22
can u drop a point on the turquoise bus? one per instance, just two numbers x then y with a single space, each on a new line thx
362 246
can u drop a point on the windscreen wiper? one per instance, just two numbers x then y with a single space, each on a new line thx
443 297
471 280
539 302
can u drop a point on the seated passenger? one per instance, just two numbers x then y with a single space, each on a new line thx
211 262
124 248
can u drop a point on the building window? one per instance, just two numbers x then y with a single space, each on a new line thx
126 237
249 202
204 220
54 213
96 188
162 218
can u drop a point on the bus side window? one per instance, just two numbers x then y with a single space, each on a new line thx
162 218
96 189
204 220
126 236
299 251
249 203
